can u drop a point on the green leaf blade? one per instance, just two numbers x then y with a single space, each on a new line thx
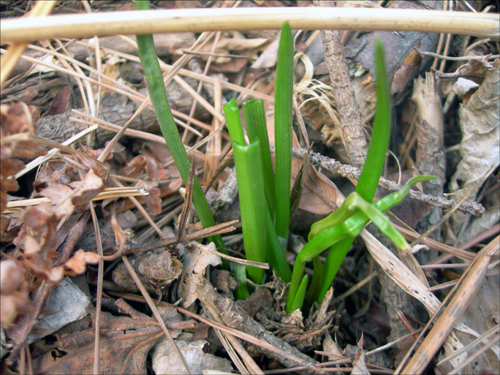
252 205
283 131
255 120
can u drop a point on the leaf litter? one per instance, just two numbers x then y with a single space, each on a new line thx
38 239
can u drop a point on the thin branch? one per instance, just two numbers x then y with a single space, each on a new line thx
349 171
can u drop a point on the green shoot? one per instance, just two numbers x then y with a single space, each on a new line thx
240 271
255 121
350 228
252 205
372 170
342 226
234 122
283 132
275 255
299 296
154 79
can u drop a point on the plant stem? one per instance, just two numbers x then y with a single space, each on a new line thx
374 163
283 131
154 79
240 271
255 121
252 205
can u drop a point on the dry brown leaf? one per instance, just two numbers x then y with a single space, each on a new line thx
124 345
195 263
87 189
153 199
78 262
15 126
269 57
154 167
358 364
320 195
59 195
410 283
134 167
120 236
166 361
480 147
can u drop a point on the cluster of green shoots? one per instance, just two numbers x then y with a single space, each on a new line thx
264 194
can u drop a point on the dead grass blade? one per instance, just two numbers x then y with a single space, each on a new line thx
187 73
461 296
410 283
264 266
100 275
493 331
155 311
42 159
41 9
202 233
199 20
188 200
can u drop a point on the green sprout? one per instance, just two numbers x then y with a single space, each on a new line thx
156 88
264 198
342 226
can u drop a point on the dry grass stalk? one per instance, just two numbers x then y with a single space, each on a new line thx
41 9
197 20
471 280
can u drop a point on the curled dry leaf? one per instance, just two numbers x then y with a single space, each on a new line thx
59 196
195 263
479 121
38 241
153 199
64 198
134 167
120 236
154 167
15 127
13 304
87 189
14 297
78 262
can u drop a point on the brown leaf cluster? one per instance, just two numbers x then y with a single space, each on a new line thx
16 126
36 258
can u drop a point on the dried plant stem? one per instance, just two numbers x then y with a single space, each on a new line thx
155 311
353 136
349 171
459 299
100 273
197 20
41 9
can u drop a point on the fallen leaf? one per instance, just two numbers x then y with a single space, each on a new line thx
166 360
195 262
134 167
479 121
87 189
153 200
59 196
60 103
125 342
